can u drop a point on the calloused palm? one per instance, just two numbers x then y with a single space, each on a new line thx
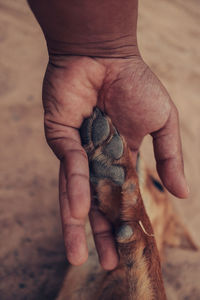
138 105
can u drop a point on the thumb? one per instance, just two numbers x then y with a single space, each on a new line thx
168 154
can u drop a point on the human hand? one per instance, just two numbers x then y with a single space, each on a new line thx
138 105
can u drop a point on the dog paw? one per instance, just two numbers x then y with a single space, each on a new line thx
112 172
104 147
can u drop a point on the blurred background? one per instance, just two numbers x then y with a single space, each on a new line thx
32 258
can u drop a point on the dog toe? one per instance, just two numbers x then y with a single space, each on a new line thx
100 129
114 149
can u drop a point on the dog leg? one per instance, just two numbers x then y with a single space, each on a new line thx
116 192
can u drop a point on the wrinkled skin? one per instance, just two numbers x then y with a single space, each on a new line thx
138 104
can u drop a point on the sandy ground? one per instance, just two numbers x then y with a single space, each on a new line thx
32 260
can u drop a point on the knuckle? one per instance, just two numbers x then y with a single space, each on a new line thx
104 235
80 151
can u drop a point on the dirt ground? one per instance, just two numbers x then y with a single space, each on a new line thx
32 259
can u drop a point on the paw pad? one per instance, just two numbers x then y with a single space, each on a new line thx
85 131
100 130
94 129
113 172
114 149
124 233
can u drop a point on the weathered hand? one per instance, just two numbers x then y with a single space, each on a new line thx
138 105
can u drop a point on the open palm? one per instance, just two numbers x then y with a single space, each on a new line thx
138 105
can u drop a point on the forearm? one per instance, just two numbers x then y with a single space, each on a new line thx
102 28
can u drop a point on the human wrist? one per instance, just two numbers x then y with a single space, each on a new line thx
121 47
104 28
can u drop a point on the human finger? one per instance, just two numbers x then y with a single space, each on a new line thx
66 144
73 229
104 240
168 154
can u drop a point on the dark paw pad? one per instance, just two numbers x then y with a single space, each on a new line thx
114 149
100 130
94 129
85 131
124 233
104 147
114 172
